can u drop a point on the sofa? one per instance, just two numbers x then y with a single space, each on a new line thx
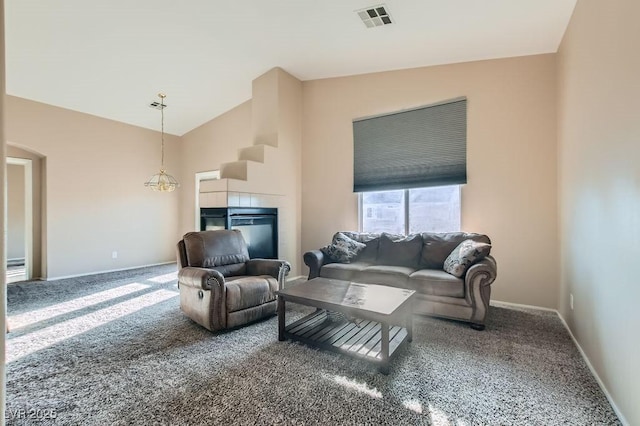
418 262
220 287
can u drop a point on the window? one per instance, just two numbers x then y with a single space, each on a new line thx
410 211
408 167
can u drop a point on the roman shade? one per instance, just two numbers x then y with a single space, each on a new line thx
414 148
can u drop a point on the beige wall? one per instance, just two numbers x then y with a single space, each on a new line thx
511 159
271 117
277 120
15 212
206 148
95 200
599 150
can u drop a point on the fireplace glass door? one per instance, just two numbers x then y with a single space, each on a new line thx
259 227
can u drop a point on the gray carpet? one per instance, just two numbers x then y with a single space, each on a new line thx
115 349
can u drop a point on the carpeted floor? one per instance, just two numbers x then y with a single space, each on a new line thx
115 349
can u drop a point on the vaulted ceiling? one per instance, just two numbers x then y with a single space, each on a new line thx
111 57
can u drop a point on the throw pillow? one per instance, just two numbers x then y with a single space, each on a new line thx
398 250
466 254
342 249
437 246
370 252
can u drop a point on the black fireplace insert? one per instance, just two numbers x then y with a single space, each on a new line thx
259 227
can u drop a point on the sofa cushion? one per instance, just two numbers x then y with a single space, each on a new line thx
342 248
370 252
464 255
394 276
342 271
246 292
215 248
436 282
398 250
438 246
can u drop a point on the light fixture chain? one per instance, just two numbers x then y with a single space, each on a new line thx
162 96
162 182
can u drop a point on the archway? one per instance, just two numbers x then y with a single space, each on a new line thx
25 213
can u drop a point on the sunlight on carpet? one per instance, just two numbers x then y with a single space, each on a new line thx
440 418
31 342
166 278
358 387
33 317
413 405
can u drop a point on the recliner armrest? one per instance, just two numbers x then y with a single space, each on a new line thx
314 259
201 278
273 267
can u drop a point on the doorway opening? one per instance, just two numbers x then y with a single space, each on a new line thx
201 177
19 243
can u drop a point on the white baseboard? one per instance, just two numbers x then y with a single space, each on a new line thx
519 305
129 268
16 261
107 271
595 373
297 277
584 355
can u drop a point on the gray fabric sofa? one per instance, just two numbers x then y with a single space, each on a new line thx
416 262
220 287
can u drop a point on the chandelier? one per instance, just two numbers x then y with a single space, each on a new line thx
162 181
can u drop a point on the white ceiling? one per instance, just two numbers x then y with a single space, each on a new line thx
111 57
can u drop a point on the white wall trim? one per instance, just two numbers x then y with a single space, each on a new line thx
595 374
107 271
584 355
519 305
297 277
137 267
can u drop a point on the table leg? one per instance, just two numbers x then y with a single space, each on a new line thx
281 318
410 327
384 368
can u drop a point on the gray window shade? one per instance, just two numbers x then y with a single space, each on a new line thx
409 149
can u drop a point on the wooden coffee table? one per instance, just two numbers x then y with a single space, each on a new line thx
383 318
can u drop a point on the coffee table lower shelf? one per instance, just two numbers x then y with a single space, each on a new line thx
362 338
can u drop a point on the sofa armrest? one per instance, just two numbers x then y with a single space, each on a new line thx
278 269
477 283
200 278
314 259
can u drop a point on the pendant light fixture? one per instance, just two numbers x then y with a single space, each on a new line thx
162 181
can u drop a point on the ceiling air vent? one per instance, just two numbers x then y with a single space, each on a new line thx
157 105
375 16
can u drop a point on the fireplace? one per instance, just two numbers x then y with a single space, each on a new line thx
259 227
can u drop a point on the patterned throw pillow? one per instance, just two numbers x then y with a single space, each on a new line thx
466 254
343 249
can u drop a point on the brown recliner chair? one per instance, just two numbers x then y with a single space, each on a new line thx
220 287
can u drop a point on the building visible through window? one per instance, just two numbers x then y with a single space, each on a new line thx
409 211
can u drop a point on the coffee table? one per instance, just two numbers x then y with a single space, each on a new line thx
383 318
